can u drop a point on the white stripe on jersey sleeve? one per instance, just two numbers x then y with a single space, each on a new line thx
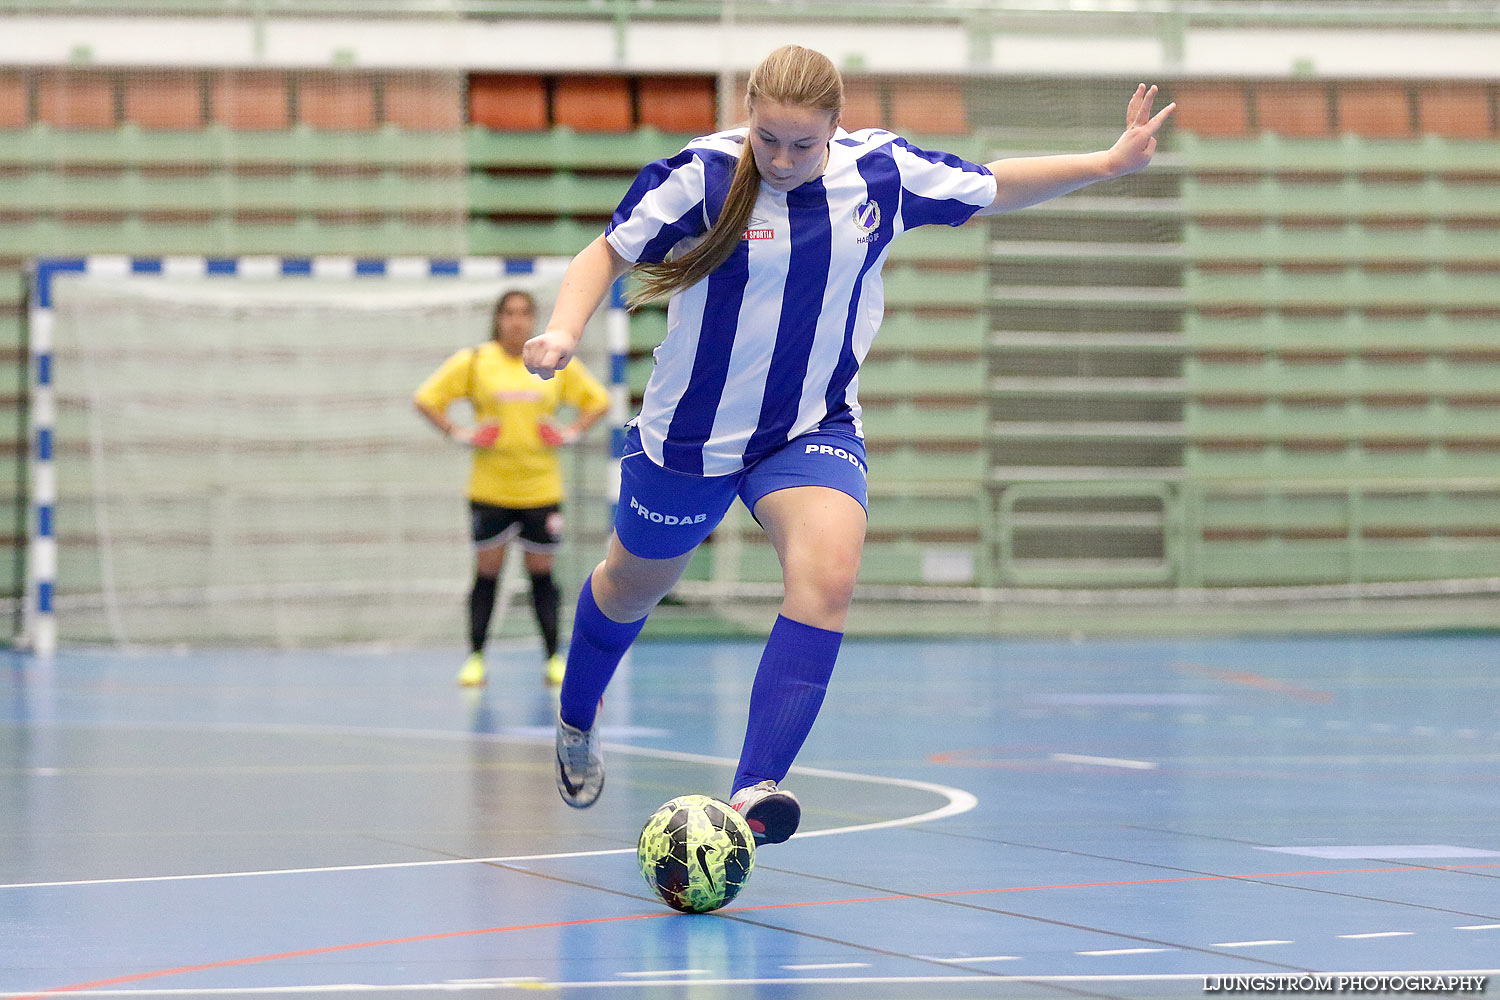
941 181
661 206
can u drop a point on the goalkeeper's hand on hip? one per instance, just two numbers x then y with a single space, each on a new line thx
483 435
554 436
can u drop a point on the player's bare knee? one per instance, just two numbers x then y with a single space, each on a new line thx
824 592
628 589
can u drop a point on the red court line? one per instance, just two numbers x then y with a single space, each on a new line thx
448 935
328 950
1246 678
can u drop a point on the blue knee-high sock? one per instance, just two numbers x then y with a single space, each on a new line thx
595 651
785 698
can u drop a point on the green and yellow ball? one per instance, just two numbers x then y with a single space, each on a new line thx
696 853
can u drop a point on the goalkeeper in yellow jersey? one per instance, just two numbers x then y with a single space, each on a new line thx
515 488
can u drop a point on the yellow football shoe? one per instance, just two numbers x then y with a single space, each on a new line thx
471 674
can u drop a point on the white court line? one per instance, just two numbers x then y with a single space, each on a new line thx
1248 944
959 801
1079 758
819 966
970 961
1376 934
1479 927
1125 951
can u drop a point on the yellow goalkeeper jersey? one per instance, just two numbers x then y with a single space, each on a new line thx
519 471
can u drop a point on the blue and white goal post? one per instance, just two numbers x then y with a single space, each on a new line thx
52 277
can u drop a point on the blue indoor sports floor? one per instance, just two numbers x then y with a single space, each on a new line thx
982 819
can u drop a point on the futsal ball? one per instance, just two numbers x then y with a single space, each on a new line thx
696 853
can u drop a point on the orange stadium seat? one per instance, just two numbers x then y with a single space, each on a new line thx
864 105
251 100
77 100
342 102
169 99
427 102
928 107
15 103
593 103
1456 110
678 103
1377 111
1220 109
508 103
1293 108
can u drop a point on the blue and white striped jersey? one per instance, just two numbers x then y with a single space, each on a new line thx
768 346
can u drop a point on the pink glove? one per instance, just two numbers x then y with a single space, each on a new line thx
479 436
554 436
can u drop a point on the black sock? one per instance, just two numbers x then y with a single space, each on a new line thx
544 600
481 606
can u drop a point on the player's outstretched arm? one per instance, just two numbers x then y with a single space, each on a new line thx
1028 180
584 285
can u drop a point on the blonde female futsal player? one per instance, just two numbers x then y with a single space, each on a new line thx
769 239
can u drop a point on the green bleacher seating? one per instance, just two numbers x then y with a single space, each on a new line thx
1271 154
1342 242
215 145
929 517
1353 421
918 422
562 148
1353 461
555 238
1349 330
908 285
10 347
1283 287
895 459
886 375
561 193
937 330
1343 378
1336 530
648 328
968 242
296 190
1339 197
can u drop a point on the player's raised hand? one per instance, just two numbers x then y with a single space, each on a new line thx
1137 144
548 352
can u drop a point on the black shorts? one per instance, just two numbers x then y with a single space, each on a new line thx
539 528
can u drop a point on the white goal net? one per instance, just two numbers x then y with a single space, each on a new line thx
238 461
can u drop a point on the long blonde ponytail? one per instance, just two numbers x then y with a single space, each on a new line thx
790 75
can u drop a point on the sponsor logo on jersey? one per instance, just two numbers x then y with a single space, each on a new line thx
828 449
760 234
657 517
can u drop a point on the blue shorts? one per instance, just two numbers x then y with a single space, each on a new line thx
663 514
